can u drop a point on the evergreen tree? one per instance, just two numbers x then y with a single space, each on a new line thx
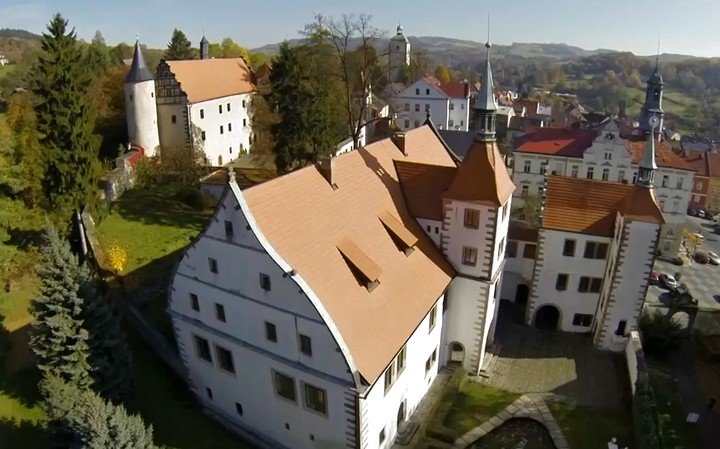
65 118
28 155
98 55
80 418
58 338
179 47
109 355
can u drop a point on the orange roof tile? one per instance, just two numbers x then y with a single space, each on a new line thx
713 165
590 206
398 229
556 141
360 259
303 218
664 156
206 79
423 186
698 162
482 177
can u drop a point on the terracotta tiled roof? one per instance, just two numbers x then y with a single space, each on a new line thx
423 186
304 220
664 156
590 206
713 165
516 232
482 177
697 162
455 89
556 141
206 79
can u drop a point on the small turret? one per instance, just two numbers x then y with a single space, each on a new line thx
140 105
204 48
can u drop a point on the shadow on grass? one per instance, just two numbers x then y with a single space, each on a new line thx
162 204
22 434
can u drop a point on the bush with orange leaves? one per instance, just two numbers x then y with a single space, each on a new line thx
117 258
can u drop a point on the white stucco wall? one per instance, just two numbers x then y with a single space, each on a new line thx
141 116
570 301
432 228
221 148
480 238
518 270
172 135
427 95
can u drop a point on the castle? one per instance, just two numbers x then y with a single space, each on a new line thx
315 309
202 104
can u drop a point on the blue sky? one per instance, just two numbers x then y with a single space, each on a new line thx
683 26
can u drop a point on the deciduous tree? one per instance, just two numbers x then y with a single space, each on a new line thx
442 74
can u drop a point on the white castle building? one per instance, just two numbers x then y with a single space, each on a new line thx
315 309
447 103
204 104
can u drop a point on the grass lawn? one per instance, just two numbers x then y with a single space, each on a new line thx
587 427
164 401
474 404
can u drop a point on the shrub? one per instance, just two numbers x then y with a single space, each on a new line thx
146 172
660 333
117 258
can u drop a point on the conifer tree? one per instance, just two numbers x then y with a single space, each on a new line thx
109 355
179 47
28 157
58 338
80 418
65 118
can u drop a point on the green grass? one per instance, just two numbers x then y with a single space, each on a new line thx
587 427
474 404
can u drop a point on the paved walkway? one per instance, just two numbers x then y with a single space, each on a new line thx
531 406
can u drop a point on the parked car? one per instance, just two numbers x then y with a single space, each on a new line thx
692 212
714 259
701 213
667 281
701 257
653 278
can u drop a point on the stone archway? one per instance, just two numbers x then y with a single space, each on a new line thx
547 317
456 354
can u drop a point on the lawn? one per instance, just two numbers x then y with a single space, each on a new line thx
588 427
474 404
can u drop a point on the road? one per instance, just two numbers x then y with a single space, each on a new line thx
704 227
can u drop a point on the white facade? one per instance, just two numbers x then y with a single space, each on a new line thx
398 56
142 120
226 267
412 105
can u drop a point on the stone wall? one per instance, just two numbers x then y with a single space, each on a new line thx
121 178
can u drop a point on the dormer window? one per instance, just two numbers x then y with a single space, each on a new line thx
401 236
365 270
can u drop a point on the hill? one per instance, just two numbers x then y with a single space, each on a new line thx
12 33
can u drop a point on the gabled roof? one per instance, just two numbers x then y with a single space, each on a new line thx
457 89
556 142
305 220
138 69
482 177
664 156
458 141
698 162
207 79
590 206
423 186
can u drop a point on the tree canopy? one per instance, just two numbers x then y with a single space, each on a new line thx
179 47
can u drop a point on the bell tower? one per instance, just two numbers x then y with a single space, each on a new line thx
653 104
398 56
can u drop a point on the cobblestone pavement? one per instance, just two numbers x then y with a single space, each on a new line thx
703 281
565 364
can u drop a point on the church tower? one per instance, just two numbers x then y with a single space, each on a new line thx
140 106
399 56
485 105
648 167
653 103
204 48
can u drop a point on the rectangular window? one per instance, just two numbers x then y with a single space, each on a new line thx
400 361
634 177
228 229
621 176
202 347
202 136
561 282
595 284
569 247
584 284
469 256
229 127
243 103
407 124
220 312
305 345
451 123
238 408
173 119
524 191
220 108
315 399
574 171
427 91
417 123
222 131
679 183
595 250
665 180
529 251
212 263
527 166
472 218
608 156
264 281
452 106
389 377
284 386
417 107
244 122
512 247
202 113
698 186
589 285
407 106
582 319
605 174
228 107
590 173
620 331
270 332
225 359
432 317
194 303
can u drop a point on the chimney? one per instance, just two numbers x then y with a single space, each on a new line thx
327 169
399 140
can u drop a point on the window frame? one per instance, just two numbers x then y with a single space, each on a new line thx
511 249
571 252
219 359
562 286
471 218
306 396
265 282
194 302
271 330
229 230
196 340
432 318
220 313
469 261
275 375
213 265
302 347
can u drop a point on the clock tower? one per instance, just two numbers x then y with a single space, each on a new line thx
653 104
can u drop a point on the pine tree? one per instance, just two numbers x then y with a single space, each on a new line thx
58 338
109 355
98 55
65 118
179 47
80 418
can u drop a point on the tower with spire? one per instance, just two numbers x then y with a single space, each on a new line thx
653 103
204 48
140 105
485 105
648 167
398 56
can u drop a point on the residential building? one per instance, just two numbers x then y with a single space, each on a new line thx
298 312
700 164
398 56
447 103
712 201
203 104
602 153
